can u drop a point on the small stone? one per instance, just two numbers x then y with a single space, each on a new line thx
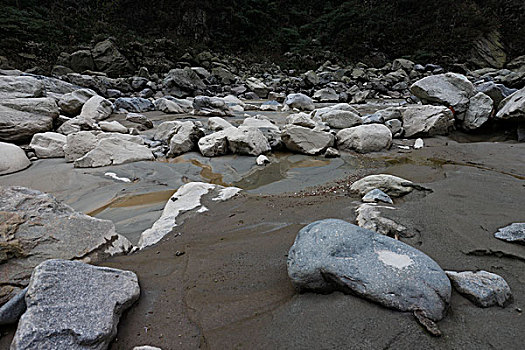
331 153
514 233
419 144
262 160
376 195
483 288
11 311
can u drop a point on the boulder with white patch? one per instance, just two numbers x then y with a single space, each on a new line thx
334 255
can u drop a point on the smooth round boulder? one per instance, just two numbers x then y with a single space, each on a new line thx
364 138
12 158
334 255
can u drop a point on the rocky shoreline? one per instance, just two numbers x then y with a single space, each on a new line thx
151 160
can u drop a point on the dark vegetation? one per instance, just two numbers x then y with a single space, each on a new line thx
356 29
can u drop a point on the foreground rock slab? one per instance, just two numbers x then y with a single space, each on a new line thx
483 288
34 227
72 305
514 233
334 255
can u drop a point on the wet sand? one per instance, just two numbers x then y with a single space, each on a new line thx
230 287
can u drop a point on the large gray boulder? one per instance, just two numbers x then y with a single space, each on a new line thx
20 87
497 92
113 126
301 119
483 288
364 138
326 95
80 143
37 227
96 108
213 145
392 185
512 106
81 60
185 139
449 89
183 82
134 104
48 144
270 130
107 58
45 106
165 131
479 111
305 140
217 124
514 233
73 305
113 151
339 119
258 87
12 158
167 106
71 103
211 106
77 124
426 120
247 140
334 255
299 101
19 126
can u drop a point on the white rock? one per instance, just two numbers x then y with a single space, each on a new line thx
305 140
479 111
113 151
364 138
247 140
213 145
513 106
97 108
166 106
419 144
262 160
185 138
392 185
113 126
116 177
48 144
218 123
71 103
12 158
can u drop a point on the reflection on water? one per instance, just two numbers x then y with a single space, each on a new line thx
133 200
